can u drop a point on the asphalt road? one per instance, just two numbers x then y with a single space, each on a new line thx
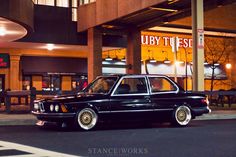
201 139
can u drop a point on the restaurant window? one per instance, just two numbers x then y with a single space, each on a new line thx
62 3
46 2
27 82
51 83
79 82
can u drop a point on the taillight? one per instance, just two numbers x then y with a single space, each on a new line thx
205 101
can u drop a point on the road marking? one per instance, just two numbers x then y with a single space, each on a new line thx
28 151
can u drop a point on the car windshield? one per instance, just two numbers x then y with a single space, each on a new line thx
101 85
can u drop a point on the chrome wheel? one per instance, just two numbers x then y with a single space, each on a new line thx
182 115
87 118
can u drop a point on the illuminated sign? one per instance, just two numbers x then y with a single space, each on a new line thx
165 41
4 60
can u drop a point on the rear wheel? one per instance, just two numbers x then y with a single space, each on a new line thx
87 119
182 116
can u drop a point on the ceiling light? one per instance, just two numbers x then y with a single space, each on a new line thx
152 61
163 9
216 64
123 59
2 31
108 58
228 66
167 61
50 47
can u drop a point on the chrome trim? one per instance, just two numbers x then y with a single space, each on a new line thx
41 107
125 111
53 114
134 94
168 79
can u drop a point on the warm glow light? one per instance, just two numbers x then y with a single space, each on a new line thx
166 61
152 61
228 66
50 47
2 31
108 59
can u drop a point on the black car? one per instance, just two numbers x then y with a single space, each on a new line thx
124 98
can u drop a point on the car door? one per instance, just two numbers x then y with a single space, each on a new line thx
164 94
130 99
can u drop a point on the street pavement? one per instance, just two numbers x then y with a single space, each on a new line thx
202 138
29 119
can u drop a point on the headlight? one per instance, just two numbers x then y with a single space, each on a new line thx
51 107
36 106
57 108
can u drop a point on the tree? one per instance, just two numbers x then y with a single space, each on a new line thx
217 51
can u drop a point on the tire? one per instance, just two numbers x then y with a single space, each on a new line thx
87 119
182 116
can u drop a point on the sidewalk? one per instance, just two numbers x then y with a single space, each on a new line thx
29 119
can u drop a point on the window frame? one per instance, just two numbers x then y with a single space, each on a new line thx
131 94
162 92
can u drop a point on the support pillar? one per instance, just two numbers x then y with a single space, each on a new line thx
133 54
94 54
198 44
15 72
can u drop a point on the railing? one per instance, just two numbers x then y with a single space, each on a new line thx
13 98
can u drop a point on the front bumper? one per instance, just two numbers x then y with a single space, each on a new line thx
201 110
54 117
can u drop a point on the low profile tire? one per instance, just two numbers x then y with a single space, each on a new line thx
182 116
87 119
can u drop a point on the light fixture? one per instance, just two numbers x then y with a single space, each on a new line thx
152 60
50 47
108 57
216 64
228 66
167 61
2 31
163 9
123 59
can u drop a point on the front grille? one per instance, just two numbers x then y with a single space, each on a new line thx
41 107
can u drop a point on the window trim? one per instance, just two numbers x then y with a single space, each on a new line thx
168 79
134 94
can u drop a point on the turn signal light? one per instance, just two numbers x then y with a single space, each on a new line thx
63 108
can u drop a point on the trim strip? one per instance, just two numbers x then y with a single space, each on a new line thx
125 111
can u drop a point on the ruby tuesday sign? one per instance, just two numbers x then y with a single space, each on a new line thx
165 41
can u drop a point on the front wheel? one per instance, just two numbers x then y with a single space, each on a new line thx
87 119
182 116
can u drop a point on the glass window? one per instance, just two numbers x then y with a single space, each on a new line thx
161 84
62 3
132 86
102 85
26 84
51 83
74 3
46 2
74 14
79 82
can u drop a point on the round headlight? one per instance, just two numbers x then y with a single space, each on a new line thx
36 106
57 108
51 107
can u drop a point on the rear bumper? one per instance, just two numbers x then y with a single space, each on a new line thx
54 117
201 110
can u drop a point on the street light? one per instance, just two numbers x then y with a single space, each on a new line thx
228 66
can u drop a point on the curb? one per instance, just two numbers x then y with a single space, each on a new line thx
27 119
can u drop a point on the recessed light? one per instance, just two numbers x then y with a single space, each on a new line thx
50 47
2 31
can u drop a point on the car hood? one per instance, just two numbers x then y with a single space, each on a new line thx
75 97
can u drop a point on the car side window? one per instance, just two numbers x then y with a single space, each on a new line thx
161 84
132 86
